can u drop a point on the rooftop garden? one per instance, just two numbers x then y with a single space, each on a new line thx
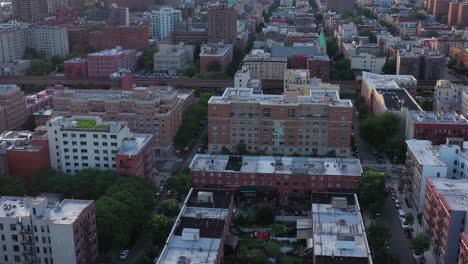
89 124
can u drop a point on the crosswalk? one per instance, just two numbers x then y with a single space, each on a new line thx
375 165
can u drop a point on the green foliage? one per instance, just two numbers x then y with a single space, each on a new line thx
170 207
251 256
272 250
190 71
431 34
426 105
160 227
40 67
341 67
378 129
31 54
361 107
214 66
378 234
146 61
277 229
370 34
420 244
442 18
390 65
12 186
409 219
192 121
180 181
94 27
264 215
372 189
391 28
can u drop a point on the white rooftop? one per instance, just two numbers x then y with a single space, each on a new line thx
133 145
205 250
65 212
454 192
424 153
437 117
283 165
339 231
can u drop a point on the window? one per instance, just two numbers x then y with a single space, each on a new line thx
14 237
15 248
95 136
113 136
13 227
114 144
104 136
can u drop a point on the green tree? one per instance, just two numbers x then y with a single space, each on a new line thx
431 34
389 66
378 129
190 71
372 188
409 219
160 227
241 149
170 207
214 66
146 60
277 229
264 215
180 181
12 186
361 107
420 244
40 67
370 34
451 64
272 249
31 54
378 234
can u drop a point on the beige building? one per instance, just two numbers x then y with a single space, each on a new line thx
262 65
53 41
12 107
155 110
171 58
12 42
448 96
295 76
318 123
14 68
464 102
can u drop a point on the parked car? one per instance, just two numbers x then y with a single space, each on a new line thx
124 254
169 193
397 204
408 233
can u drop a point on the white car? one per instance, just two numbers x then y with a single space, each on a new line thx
124 253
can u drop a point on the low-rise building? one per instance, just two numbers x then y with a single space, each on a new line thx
422 65
338 230
106 62
76 68
14 68
127 37
367 62
285 176
464 102
201 229
444 44
53 41
262 65
210 53
85 142
448 96
408 27
172 58
13 111
64 232
460 56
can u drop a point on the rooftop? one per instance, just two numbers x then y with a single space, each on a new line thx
454 192
291 51
423 117
133 145
65 212
6 89
154 93
277 165
339 231
325 96
111 52
386 80
86 123
211 49
396 99
424 153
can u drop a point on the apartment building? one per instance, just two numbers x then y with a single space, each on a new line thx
75 68
285 176
445 214
30 11
83 142
338 230
262 65
118 16
464 103
319 66
367 62
53 41
460 56
12 42
340 6
106 62
448 96
12 107
150 110
458 13
164 21
408 27
436 126
314 124
14 68
423 65
445 44
201 228
127 37
211 52
36 230
222 24
422 162
172 58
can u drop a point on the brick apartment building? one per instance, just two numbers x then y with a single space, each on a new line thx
135 156
149 110
222 24
127 37
423 66
285 176
436 127
106 62
201 229
444 44
60 232
460 56
445 214
262 65
463 256
313 124
219 52
319 66
12 107
76 68
458 14
189 37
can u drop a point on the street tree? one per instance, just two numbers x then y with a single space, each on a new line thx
420 244
409 219
180 181
372 188
378 234
170 207
264 215
12 186
160 227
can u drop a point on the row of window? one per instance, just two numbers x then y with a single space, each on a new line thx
73 135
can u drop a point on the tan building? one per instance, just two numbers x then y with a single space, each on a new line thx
12 107
314 124
296 76
155 110
464 102
263 66
448 96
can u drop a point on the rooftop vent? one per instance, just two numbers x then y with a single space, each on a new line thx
190 234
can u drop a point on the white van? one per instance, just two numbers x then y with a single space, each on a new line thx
401 212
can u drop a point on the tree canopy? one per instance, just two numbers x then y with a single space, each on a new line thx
377 129
420 244
160 227
372 189
12 186
170 207
146 61
180 181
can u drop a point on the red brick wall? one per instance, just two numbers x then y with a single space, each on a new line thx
438 133
127 37
25 163
75 69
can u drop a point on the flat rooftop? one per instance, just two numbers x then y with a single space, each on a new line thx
423 117
247 95
65 213
424 152
291 51
274 165
339 232
132 146
396 99
215 49
110 52
386 80
6 89
454 192
155 93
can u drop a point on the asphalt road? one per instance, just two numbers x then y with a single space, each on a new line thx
399 245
